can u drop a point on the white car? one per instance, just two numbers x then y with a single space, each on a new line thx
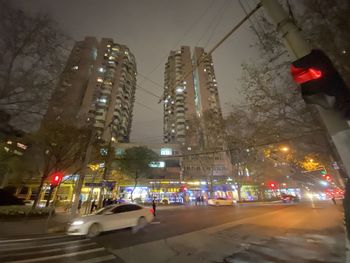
111 218
221 201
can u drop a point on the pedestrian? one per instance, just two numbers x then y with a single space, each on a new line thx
93 206
154 206
79 205
202 199
333 199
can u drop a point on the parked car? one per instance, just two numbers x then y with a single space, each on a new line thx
221 201
112 217
7 198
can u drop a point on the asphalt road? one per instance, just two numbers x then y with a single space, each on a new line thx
179 221
267 233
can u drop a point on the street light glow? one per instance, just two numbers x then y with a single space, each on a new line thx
284 149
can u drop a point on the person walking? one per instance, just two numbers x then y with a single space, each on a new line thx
93 206
333 199
79 205
154 206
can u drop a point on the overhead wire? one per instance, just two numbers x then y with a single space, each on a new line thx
147 107
185 34
258 6
211 23
251 22
217 24
147 91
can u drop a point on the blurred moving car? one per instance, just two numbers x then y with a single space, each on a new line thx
112 217
289 198
221 201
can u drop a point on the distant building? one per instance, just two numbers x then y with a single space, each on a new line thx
189 92
98 84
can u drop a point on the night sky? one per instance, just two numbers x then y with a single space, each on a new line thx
151 29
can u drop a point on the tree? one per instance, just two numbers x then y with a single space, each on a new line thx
57 146
32 56
135 163
325 24
205 135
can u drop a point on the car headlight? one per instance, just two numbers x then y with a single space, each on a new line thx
77 223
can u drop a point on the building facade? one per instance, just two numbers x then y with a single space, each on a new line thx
98 86
190 91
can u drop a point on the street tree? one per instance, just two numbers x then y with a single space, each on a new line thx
32 55
135 163
325 24
57 146
204 140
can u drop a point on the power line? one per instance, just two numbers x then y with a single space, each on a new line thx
188 30
211 23
150 80
148 92
251 22
147 107
218 23
217 45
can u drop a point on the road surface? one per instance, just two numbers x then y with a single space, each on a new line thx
254 233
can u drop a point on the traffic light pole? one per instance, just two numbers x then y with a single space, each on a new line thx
337 127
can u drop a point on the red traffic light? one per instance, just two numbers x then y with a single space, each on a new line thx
272 185
56 178
302 75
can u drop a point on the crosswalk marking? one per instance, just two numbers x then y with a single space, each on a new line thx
97 260
58 256
30 239
46 245
58 249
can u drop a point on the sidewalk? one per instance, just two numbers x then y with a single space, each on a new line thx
33 226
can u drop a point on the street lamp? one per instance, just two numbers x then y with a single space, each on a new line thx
284 149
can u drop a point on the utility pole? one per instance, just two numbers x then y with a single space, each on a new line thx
336 126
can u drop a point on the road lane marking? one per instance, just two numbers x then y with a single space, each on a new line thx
155 223
58 256
97 260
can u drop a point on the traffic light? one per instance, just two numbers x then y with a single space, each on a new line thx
272 185
317 76
56 178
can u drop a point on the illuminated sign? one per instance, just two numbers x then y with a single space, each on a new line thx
160 164
166 151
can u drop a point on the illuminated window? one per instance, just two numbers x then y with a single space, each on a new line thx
75 67
166 151
119 151
102 100
179 89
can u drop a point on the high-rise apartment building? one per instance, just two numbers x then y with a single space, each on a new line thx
189 92
98 85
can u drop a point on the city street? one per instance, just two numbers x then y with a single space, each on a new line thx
303 232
